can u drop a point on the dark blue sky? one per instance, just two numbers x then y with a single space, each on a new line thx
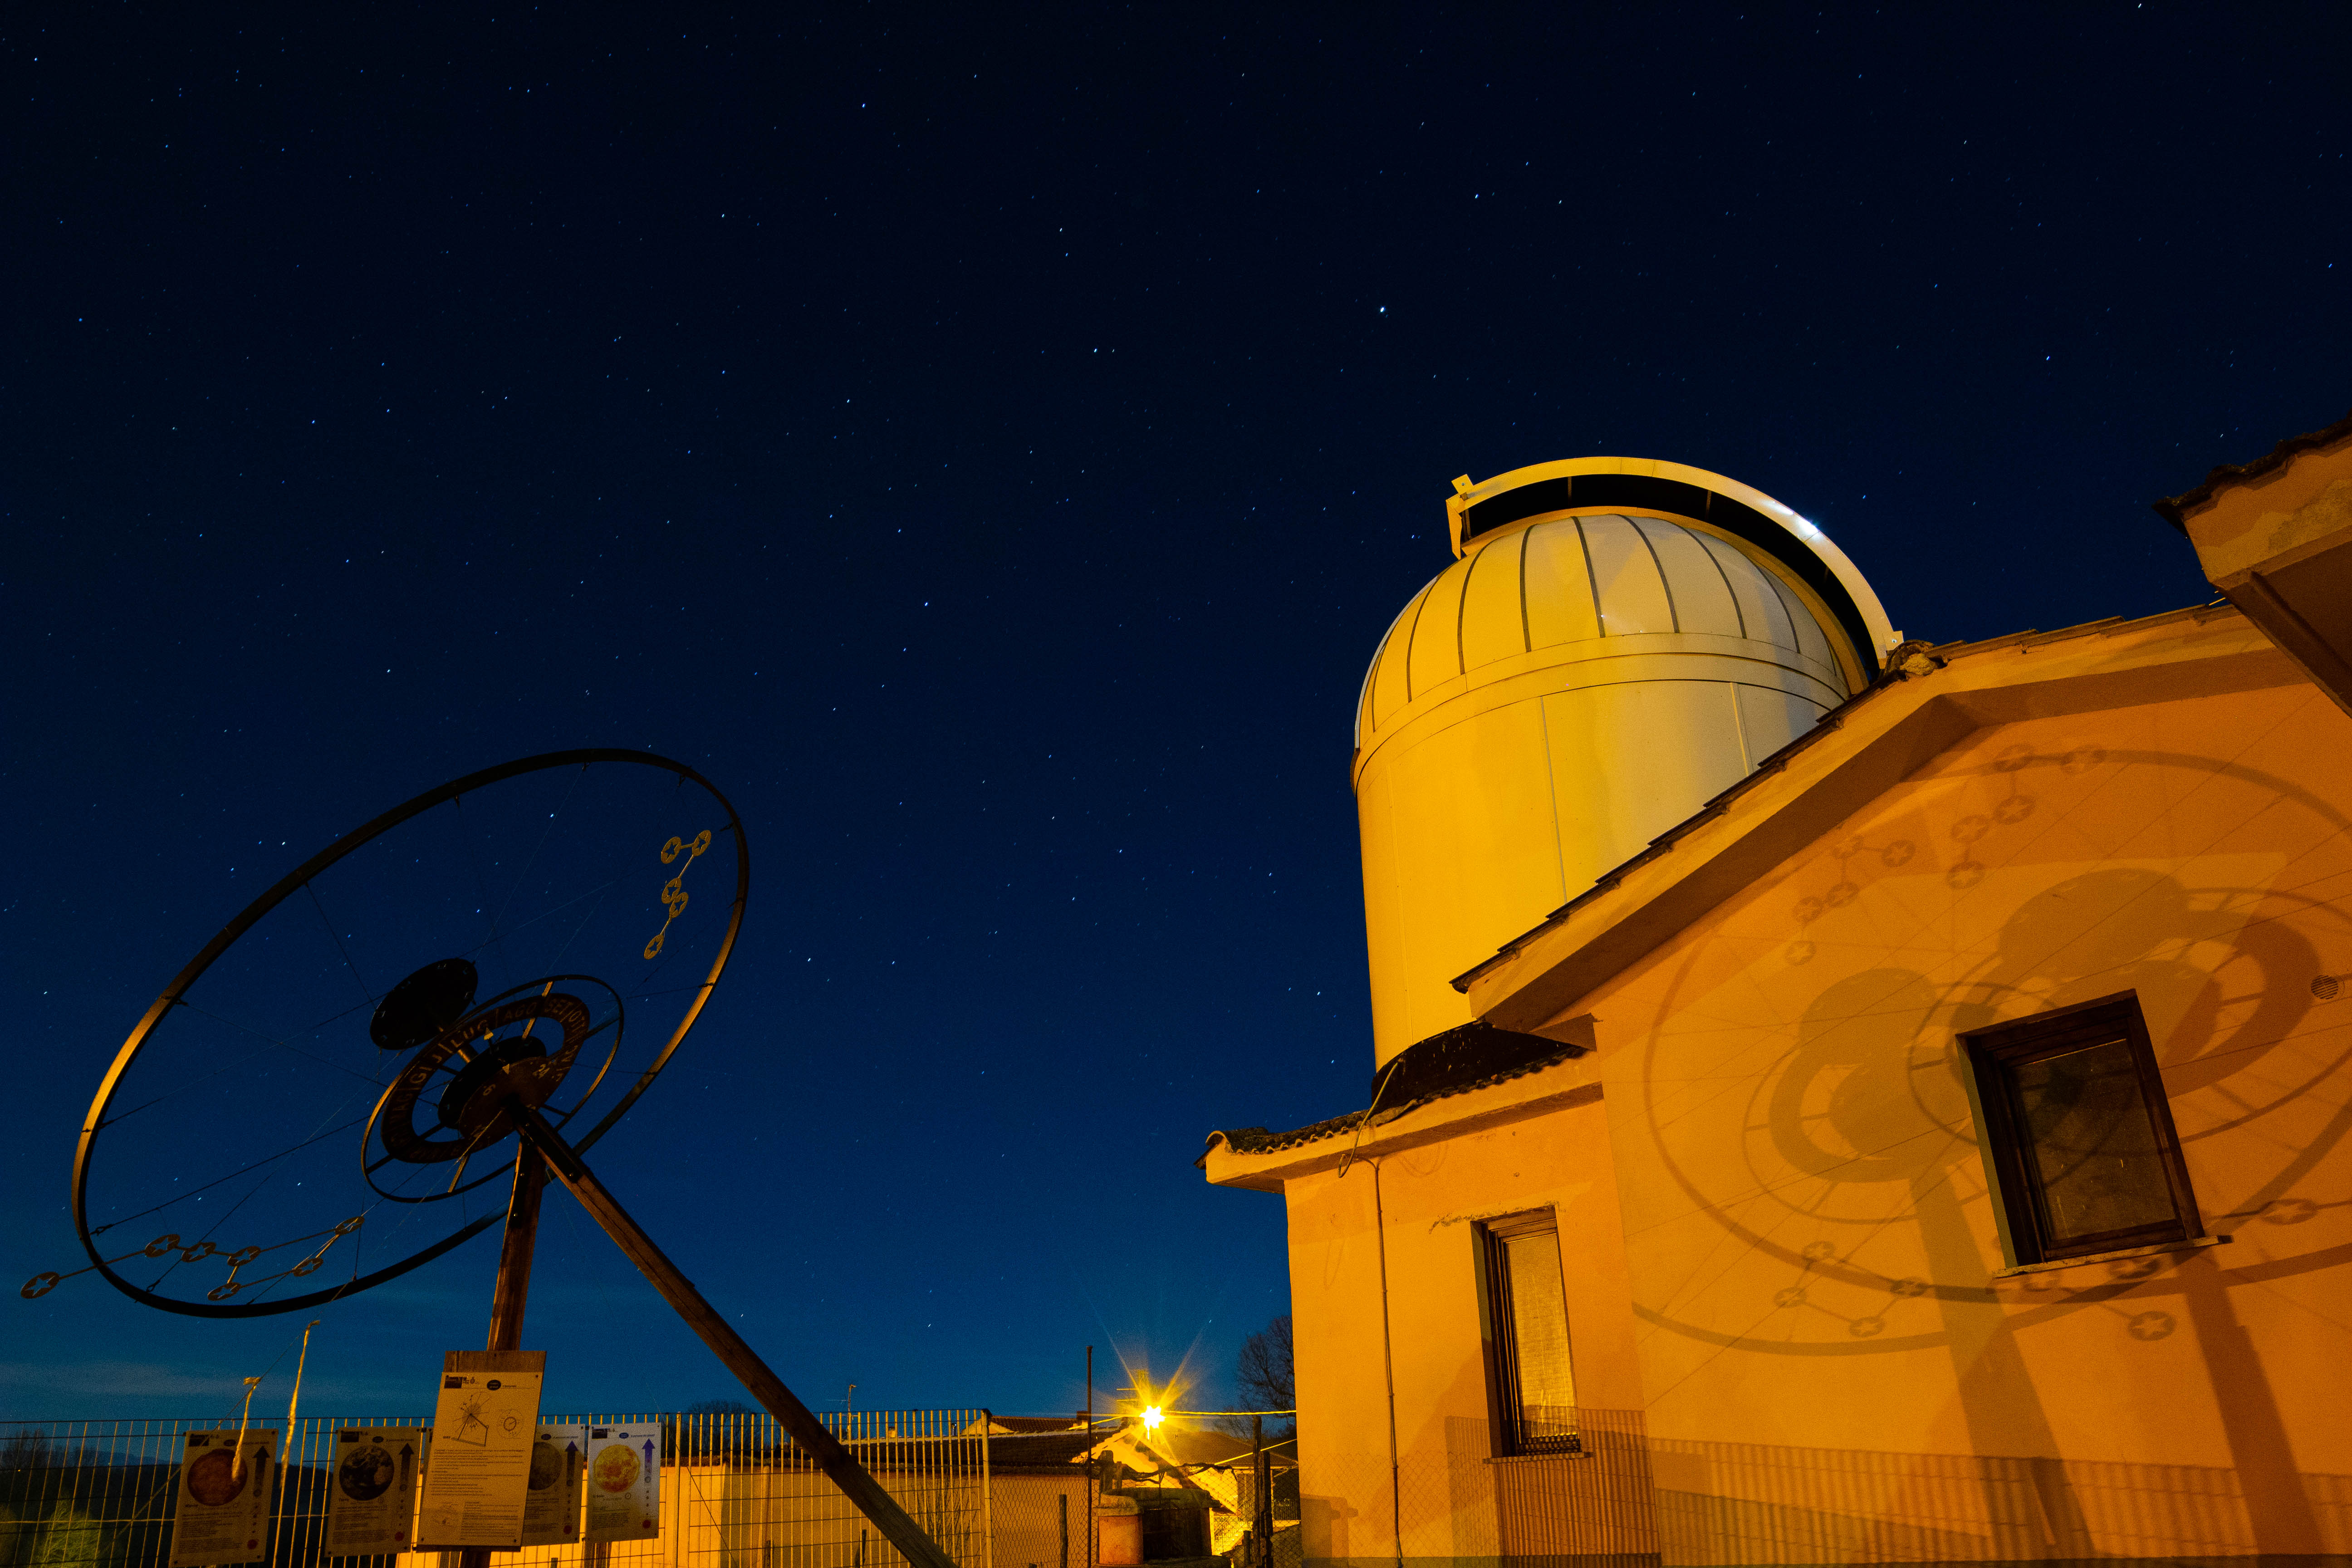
990 446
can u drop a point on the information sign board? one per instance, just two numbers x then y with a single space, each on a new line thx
623 1483
484 1426
223 1514
550 1513
372 1498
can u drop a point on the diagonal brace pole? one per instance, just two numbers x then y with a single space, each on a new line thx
843 1469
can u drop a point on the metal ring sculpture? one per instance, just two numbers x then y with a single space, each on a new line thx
577 852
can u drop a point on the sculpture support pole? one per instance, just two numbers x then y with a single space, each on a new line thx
513 1287
839 1466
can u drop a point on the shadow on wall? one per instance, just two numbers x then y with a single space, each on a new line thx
1851 1174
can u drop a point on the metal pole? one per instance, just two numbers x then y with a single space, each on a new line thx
1262 1477
835 1461
1090 1467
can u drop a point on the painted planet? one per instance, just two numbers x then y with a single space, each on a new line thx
618 1467
215 1481
546 1466
365 1473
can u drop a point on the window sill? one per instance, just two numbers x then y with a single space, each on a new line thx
2194 1244
1536 1458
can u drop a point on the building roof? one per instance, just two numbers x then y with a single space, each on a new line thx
1455 1062
1033 1450
2175 510
1677 489
1930 698
1570 589
992 1423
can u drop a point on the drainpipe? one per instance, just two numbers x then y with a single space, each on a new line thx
1388 1354
1387 1368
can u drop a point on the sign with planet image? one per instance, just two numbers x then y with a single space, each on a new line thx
372 1504
551 1508
224 1498
623 1483
215 1479
366 1475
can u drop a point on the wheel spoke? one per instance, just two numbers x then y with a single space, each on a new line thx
365 989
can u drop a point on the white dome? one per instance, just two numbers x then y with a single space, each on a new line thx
1576 684
1575 579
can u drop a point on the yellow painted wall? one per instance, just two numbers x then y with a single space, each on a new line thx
1808 1224
1781 1247
1427 1199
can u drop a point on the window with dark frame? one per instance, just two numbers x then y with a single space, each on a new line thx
2079 1134
1529 1365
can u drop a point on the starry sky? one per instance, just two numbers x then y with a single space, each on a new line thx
989 445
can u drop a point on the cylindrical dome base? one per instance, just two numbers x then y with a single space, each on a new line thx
1575 685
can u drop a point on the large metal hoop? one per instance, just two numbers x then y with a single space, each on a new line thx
94 1121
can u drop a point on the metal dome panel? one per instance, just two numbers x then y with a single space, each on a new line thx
1574 684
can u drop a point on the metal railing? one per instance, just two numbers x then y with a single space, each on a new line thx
736 1493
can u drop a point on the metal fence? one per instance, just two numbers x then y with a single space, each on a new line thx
736 1493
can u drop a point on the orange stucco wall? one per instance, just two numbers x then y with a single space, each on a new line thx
1427 1199
1782 1249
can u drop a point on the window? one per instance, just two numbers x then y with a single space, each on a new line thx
1527 1358
2078 1133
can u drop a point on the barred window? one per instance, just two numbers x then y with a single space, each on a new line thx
2079 1134
1529 1365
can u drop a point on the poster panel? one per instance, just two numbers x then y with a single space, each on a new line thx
551 1512
623 1483
484 1424
372 1498
223 1512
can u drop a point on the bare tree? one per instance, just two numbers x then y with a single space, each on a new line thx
1265 1371
1264 1379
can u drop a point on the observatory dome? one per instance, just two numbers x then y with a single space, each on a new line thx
1618 642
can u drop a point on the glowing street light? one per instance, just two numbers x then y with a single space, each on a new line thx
1151 1419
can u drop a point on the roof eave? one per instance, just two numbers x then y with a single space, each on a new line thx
1858 752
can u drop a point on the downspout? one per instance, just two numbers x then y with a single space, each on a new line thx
1388 1369
1388 1354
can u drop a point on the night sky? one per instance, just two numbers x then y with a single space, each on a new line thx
989 446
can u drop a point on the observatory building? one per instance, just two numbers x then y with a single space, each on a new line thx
1616 644
1836 1099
